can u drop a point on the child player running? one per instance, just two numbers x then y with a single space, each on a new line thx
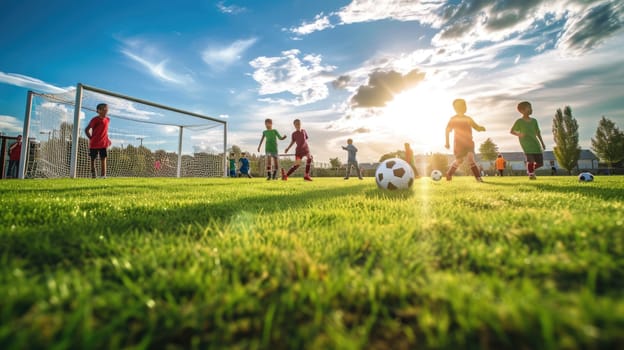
463 144
244 166
528 133
270 148
352 160
300 137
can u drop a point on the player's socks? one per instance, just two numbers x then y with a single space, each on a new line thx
475 171
450 172
284 177
530 167
269 174
274 174
292 169
308 164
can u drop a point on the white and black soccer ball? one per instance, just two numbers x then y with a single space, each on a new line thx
586 177
394 174
436 175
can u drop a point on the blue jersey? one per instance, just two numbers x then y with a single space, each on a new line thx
244 162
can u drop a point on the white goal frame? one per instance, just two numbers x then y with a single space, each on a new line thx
80 88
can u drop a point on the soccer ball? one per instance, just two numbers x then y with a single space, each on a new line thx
436 175
394 174
586 177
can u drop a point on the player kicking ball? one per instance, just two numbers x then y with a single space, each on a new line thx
463 145
299 137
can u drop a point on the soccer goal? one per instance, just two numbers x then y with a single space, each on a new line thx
148 139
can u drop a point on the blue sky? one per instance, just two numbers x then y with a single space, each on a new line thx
381 72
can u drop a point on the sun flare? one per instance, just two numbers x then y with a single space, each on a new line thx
420 116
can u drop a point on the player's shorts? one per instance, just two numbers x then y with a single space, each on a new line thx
271 154
232 172
299 154
244 171
462 149
93 153
535 158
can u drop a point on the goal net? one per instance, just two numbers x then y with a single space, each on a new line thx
148 139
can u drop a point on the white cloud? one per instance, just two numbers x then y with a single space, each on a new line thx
230 9
321 22
10 125
305 77
223 56
159 69
31 83
374 10
150 59
585 24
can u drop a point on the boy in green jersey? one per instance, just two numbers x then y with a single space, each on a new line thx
530 138
270 148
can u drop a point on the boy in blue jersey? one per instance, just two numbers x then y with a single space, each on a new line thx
351 159
244 166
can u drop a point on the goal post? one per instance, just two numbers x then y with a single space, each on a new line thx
148 139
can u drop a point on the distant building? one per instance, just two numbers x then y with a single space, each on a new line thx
515 161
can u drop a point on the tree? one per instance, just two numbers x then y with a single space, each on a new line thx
335 163
488 150
396 154
565 133
438 161
236 150
609 142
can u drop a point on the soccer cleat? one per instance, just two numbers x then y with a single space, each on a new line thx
269 177
449 177
347 178
479 179
532 177
284 176
307 178
93 176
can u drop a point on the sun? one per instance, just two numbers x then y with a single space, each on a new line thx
419 116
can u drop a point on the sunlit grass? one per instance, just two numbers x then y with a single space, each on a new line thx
250 263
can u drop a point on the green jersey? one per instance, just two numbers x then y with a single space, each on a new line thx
232 164
271 140
530 130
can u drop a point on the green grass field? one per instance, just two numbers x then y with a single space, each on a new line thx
239 263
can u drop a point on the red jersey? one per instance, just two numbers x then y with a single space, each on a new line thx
300 137
462 126
99 132
16 151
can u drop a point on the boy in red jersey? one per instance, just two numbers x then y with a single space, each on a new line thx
463 145
97 133
300 137
15 151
